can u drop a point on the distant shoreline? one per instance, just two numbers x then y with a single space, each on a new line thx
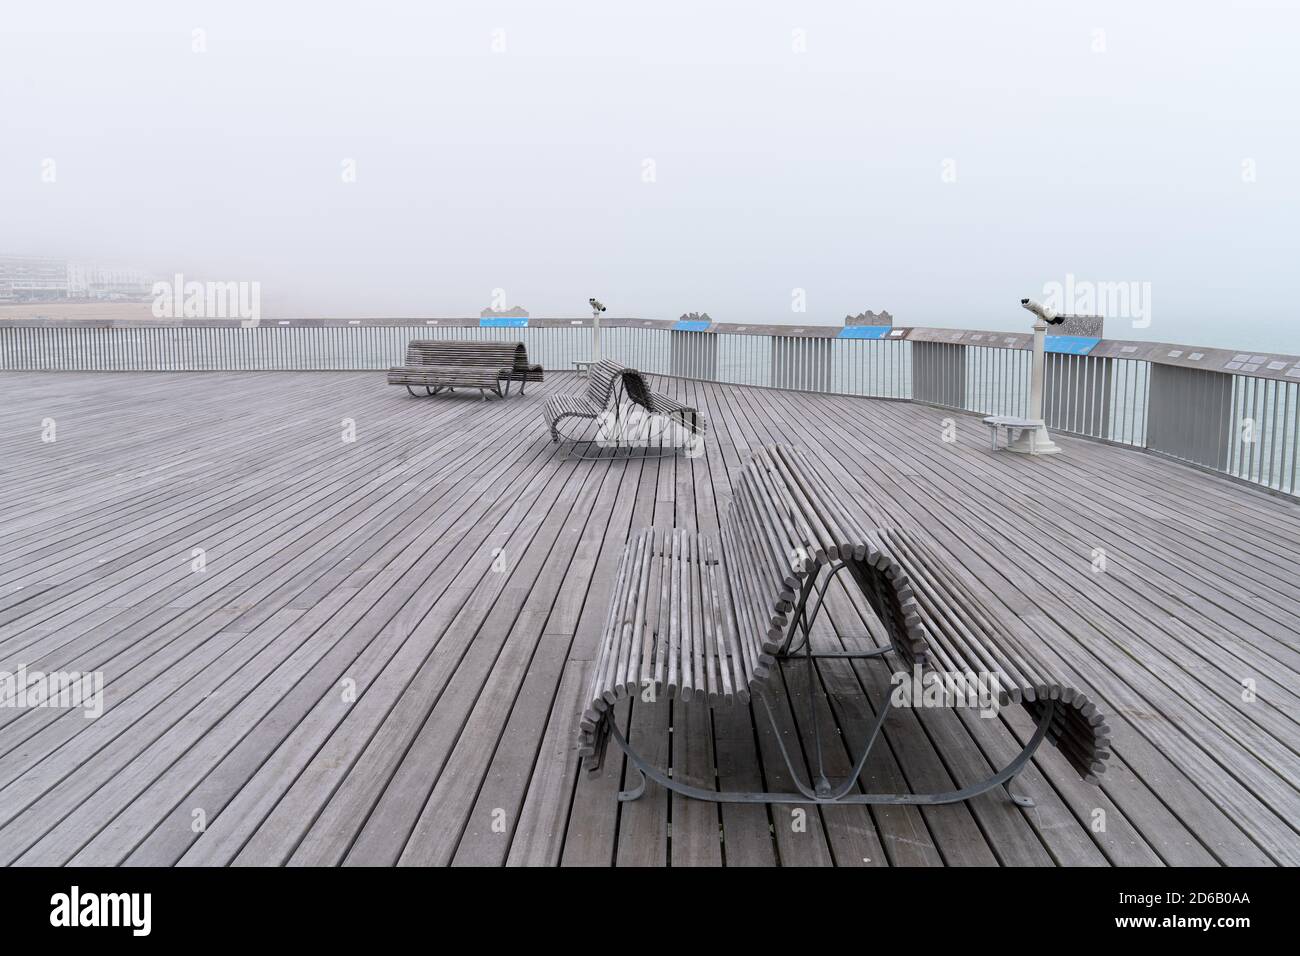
81 311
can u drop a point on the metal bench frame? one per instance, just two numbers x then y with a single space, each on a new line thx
820 790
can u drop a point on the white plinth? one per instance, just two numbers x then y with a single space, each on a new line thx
1034 441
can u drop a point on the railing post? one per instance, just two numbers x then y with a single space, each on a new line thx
939 373
1189 414
801 363
1077 394
693 354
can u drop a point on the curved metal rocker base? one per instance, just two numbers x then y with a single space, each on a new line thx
823 793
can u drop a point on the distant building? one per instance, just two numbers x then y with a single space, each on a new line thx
32 279
870 318
104 283
78 281
515 313
41 279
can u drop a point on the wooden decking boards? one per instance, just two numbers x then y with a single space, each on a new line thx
384 656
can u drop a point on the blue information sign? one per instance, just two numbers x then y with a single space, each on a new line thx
864 332
1069 344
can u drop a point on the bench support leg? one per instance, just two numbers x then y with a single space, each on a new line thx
634 793
1020 800
803 621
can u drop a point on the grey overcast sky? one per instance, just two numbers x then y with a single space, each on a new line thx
938 160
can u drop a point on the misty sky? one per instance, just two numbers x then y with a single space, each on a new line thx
773 169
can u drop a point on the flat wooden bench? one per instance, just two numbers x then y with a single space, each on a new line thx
445 365
711 618
611 387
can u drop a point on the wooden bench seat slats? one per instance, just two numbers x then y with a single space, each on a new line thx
601 379
963 635
751 621
668 621
434 375
702 616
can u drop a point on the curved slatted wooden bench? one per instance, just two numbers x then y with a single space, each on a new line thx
439 365
608 384
699 617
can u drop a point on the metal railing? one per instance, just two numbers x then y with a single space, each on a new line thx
1232 413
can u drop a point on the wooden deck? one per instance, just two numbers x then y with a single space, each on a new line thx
383 659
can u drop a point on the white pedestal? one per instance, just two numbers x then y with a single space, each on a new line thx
1034 441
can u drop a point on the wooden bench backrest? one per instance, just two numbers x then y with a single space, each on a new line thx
784 524
521 357
602 378
505 355
637 388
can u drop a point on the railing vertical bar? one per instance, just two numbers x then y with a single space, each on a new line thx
1294 402
1256 414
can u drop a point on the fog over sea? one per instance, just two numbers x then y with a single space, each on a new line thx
671 157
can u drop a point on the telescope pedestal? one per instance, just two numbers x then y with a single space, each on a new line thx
1034 441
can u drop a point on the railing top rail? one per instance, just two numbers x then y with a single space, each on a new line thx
1270 365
